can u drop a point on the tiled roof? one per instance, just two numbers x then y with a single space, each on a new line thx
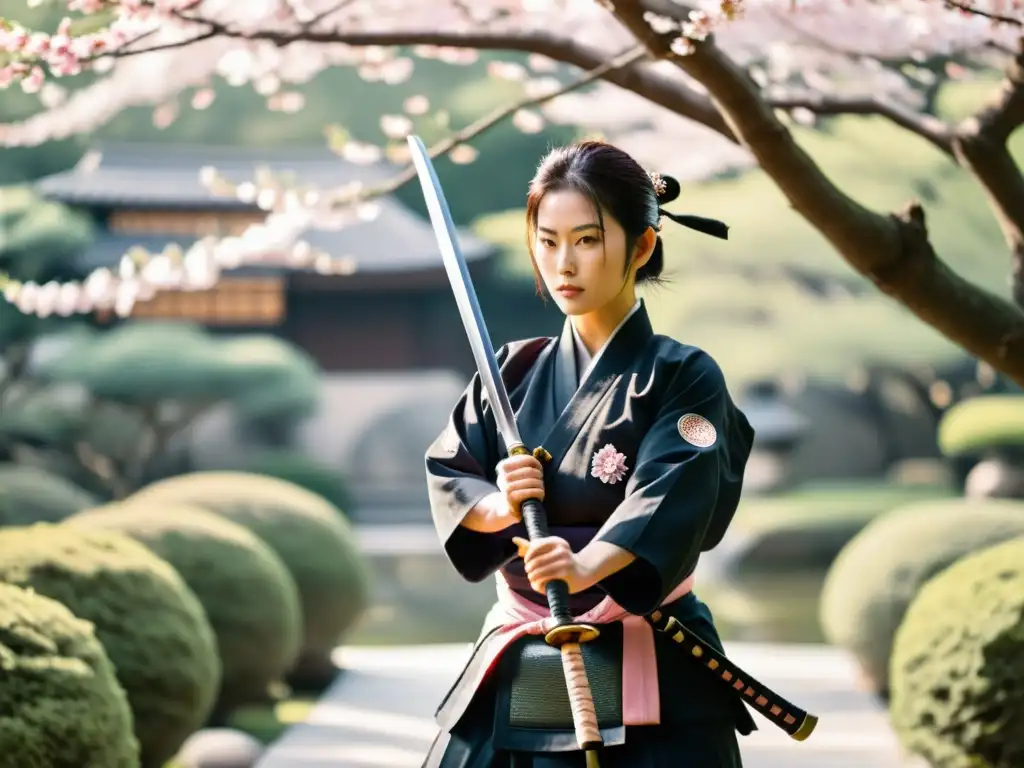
167 176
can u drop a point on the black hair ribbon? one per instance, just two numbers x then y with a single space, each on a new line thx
711 227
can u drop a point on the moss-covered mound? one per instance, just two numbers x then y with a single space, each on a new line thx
303 471
60 703
874 578
979 424
311 536
151 624
32 495
247 593
807 527
958 662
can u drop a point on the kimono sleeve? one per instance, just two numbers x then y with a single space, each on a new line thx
460 472
684 489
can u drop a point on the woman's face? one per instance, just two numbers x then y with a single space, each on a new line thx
581 266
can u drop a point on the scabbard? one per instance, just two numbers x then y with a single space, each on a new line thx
795 721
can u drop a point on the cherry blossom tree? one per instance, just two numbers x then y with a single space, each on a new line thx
726 78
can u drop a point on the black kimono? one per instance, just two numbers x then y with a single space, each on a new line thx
678 449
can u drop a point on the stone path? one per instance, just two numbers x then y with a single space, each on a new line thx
379 713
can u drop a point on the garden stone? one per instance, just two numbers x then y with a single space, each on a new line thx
219 748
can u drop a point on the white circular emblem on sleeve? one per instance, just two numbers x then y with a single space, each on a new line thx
696 430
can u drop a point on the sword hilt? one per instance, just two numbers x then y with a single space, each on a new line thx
566 634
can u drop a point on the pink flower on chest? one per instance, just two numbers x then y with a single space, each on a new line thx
608 465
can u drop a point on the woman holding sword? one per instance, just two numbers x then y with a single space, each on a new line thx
641 471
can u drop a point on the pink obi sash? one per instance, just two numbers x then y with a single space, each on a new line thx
516 616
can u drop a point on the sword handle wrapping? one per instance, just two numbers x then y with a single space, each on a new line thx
535 521
798 723
567 636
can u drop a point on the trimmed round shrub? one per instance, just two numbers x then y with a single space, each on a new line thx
806 528
871 583
312 538
304 472
958 662
977 425
60 703
151 624
247 593
32 495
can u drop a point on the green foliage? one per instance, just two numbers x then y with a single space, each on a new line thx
266 723
39 417
152 626
305 472
145 362
144 382
877 575
40 236
15 202
247 593
60 703
39 239
46 418
958 662
312 538
32 495
285 383
807 527
982 423
288 399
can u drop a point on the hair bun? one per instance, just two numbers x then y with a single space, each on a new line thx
672 189
666 188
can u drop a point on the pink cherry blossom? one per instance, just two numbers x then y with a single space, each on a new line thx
416 105
608 465
34 82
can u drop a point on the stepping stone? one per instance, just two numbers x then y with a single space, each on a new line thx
219 748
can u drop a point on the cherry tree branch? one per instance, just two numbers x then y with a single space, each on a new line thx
213 29
893 250
668 92
971 8
932 129
487 122
1005 113
317 18
980 145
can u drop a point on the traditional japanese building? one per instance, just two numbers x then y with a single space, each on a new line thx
381 319
382 303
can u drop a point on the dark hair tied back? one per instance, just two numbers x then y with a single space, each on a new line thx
617 184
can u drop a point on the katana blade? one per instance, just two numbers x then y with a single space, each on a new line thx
566 634
465 294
